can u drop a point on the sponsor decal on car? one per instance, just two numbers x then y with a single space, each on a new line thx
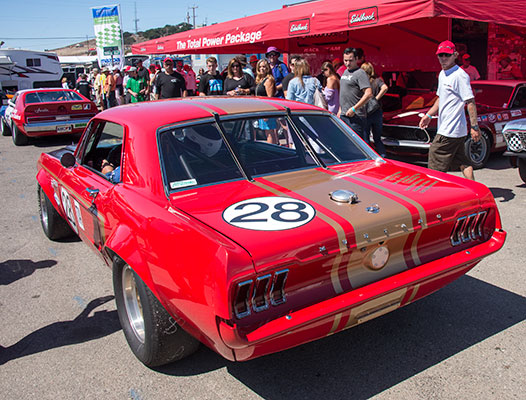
484 118
41 110
269 213
80 125
492 118
505 117
415 182
182 184
76 107
516 113
499 117
87 106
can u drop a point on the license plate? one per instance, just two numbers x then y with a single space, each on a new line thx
64 129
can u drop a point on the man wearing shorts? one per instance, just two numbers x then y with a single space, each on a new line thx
454 91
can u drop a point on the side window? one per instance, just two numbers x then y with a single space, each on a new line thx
520 98
103 149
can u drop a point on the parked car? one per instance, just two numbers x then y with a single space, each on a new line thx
515 136
498 102
45 112
216 236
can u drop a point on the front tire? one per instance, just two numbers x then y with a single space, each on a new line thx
522 168
153 335
54 226
6 131
19 139
478 152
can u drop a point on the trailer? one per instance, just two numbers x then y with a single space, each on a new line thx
27 69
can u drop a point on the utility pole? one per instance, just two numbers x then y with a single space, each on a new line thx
187 17
193 14
136 19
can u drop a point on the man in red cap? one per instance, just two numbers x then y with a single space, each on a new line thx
454 91
470 69
170 83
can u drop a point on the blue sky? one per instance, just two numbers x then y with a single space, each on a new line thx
52 19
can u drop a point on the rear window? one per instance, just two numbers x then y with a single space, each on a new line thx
198 154
49 97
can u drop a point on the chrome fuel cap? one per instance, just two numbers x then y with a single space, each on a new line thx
344 196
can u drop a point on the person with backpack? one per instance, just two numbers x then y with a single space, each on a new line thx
279 69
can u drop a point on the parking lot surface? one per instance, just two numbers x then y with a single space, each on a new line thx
60 336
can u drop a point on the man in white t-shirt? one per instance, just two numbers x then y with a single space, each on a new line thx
454 91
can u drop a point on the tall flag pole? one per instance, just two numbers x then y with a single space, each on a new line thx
108 35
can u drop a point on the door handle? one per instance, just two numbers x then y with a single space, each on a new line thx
92 193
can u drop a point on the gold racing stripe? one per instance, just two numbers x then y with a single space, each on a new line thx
340 233
337 319
369 229
413 295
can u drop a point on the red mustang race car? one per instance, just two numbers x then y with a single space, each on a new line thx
498 102
45 112
254 225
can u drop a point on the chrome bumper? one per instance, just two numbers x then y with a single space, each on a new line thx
57 126
405 143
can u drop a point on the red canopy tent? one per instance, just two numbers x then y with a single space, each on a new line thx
392 32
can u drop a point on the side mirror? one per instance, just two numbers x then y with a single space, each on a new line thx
68 160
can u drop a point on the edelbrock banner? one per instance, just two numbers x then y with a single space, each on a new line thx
108 35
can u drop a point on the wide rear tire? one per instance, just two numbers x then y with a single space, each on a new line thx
153 335
54 226
19 139
6 131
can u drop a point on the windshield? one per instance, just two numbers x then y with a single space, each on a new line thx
492 95
49 97
198 155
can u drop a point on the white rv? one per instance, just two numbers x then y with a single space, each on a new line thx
27 69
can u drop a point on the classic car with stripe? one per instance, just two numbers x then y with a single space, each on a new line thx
254 225
498 102
45 112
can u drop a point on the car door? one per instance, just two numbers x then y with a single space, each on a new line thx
86 194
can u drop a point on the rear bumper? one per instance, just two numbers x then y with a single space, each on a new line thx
55 127
354 307
521 154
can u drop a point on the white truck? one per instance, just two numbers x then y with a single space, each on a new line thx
27 69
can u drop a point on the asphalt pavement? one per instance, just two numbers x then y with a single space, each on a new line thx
60 336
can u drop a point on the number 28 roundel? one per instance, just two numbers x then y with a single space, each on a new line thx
269 213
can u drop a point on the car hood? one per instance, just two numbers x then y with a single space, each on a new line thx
394 200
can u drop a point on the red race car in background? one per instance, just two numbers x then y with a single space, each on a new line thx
498 102
45 112
216 235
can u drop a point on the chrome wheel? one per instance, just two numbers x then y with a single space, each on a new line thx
132 303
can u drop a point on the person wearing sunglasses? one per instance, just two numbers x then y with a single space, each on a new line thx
237 82
169 83
454 91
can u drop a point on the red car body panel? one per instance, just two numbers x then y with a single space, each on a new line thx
192 259
54 117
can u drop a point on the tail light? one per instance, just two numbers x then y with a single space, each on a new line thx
259 295
468 228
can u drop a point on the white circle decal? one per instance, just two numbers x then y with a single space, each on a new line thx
269 213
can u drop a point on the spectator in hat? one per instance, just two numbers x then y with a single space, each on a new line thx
119 89
253 63
279 69
109 88
137 86
470 69
242 59
454 92
169 83
141 71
